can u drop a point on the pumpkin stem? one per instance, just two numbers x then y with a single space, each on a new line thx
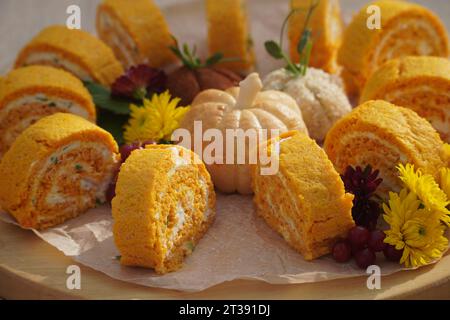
249 88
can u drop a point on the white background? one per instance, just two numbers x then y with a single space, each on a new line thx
20 20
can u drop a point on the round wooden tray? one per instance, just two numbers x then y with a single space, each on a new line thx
32 269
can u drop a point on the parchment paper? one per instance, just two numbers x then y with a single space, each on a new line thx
239 245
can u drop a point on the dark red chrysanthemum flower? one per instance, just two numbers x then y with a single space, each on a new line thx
366 212
363 184
139 82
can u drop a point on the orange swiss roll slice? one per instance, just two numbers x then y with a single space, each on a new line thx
305 200
30 93
407 29
229 33
382 135
57 169
164 204
419 83
137 32
76 51
327 29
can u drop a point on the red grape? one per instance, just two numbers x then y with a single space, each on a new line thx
126 149
392 254
148 142
111 191
359 237
365 258
342 251
376 241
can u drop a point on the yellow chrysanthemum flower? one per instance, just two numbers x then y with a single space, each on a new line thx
417 231
446 153
409 176
155 120
426 189
137 128
445 181
445 186
401 206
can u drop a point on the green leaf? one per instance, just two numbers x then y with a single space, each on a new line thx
175 40
184 59
292 68
215 58
175 51
274 49
306 56
165 142
188 56
178 53
283 26
304 46
303 41
103 99
186 50
113 123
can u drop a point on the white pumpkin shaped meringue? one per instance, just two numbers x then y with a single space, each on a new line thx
245 107
319 95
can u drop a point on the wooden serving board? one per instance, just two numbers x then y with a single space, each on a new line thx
32 269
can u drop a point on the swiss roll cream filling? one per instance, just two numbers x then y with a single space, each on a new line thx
286 218
386 161
413 90
180 213
290 223
349 137
44 99
390 181
424 45
55 194
118 37
441 125
56 59
177 160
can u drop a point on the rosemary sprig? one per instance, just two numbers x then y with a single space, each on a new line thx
189 59
304 45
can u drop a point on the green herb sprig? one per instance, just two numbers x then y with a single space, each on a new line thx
304 46
112 113
103 99
189 59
